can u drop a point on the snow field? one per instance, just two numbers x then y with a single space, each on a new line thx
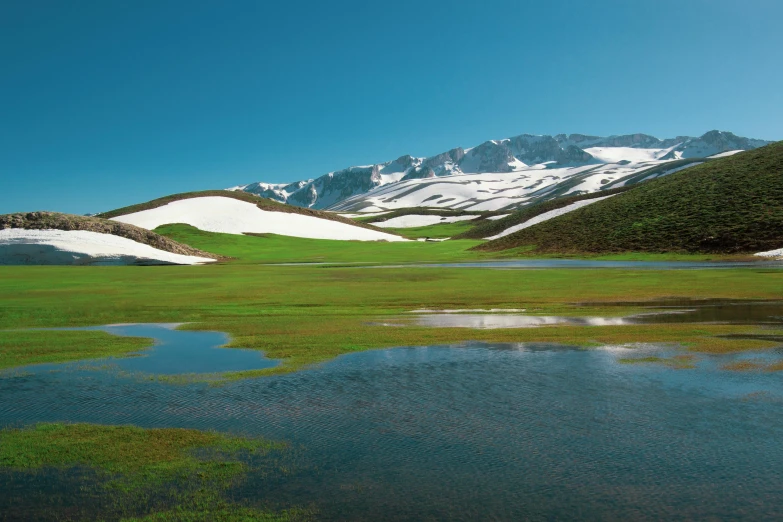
82 247
231 216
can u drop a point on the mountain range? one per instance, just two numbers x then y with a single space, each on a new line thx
503 174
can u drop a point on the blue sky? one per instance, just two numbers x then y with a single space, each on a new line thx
107 103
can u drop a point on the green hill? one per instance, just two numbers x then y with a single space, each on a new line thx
262 203
486 228
730 205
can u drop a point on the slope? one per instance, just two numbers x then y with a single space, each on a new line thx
239 213
729 205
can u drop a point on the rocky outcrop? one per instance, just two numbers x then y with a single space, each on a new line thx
336 186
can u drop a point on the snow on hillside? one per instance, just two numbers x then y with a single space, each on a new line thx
420 220
631 154
726 154
360 189
19 246
546 216
492 191
776 254
231 216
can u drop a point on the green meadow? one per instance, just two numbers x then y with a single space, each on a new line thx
308 314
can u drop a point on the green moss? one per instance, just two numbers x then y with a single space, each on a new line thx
210 511
678 362
23 347
187 471
136 456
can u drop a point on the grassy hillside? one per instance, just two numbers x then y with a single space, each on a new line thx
262 203
438 230
271 248
730 205
487 228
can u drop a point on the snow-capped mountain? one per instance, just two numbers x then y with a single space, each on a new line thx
503 174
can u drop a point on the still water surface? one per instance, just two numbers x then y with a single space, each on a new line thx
465 432
597 263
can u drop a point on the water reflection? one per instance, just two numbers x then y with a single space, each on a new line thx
491 321
594 263
662 312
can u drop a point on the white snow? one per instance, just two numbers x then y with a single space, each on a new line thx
420 220
725 154
634 155
232 216
391 178
499 216
778 254
546 216
19 246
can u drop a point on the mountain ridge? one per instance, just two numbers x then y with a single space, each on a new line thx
520 153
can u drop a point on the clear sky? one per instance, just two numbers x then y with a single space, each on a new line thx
106 103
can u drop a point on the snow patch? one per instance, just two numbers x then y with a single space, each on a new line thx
634 155
420 220
546 216
231 216
726 154
777 254
20 246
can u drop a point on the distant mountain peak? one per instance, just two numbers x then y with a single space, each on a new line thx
521 153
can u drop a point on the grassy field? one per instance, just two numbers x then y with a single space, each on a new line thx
168 474
310 314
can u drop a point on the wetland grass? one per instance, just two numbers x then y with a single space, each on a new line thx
309 314
170 474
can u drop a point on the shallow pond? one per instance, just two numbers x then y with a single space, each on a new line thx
177 352
465 432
